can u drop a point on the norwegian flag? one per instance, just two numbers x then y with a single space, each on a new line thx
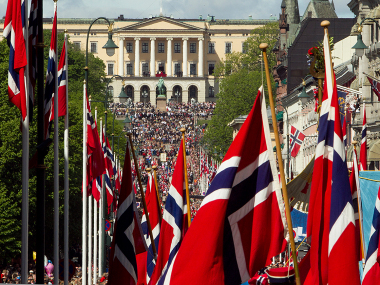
62 82
363 146
371 274
95 164
14 31
32 42
50 78
241 222
154 217
174 222
296 139
96 188
356 202
331 220
108 171
128 238
375 85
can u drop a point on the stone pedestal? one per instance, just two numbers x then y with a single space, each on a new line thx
161 103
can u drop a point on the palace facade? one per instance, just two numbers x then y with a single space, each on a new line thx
183 51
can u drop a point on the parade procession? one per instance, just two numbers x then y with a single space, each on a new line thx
190 149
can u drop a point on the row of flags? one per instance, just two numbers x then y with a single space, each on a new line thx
241 225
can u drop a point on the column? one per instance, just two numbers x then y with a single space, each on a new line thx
169 60
121 57
200 57
184 61
137 56
152 57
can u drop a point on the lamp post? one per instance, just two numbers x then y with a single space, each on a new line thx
110 47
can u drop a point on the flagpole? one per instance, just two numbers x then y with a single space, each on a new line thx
56 162
101 210
95 224
263 47
142 196
25 166
154 167
183 130
356 169
84 196
66 182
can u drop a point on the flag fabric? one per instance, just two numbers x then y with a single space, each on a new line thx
241 223
331 220
32 45
95 164
14 31
174 222
363 146
50 78
296 139
62 82
371 274
356 201
96 188
342 103
344 132
375 85
108 171
154 218
128 237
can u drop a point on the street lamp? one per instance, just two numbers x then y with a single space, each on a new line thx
110 47
360 46
303 95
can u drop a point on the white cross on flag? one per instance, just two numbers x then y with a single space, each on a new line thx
296 139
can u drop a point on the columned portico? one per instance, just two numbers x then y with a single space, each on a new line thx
200 57
137 56
184 57
169 57
121 56
152 57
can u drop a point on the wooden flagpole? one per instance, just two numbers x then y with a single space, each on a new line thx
183 130
359 209
142 196
263 47
154 167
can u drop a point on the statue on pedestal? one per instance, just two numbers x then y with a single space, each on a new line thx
161 88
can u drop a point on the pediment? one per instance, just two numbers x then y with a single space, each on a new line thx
161 24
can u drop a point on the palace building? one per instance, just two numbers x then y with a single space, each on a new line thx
183 51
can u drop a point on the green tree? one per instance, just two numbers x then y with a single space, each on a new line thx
11 149
240 76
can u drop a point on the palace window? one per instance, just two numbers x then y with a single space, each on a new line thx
129 68
145 68
193 48
77 45
129 48
211 67
244 47
145 48
161 47
110 68
94 47
228 47
177 48
177 68
211 91
193 69
211 47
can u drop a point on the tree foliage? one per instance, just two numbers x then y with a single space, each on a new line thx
240 75
11 154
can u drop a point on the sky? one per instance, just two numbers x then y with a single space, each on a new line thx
221 9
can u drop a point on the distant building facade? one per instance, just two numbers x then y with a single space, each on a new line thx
184 52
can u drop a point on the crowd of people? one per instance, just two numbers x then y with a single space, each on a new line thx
156 134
